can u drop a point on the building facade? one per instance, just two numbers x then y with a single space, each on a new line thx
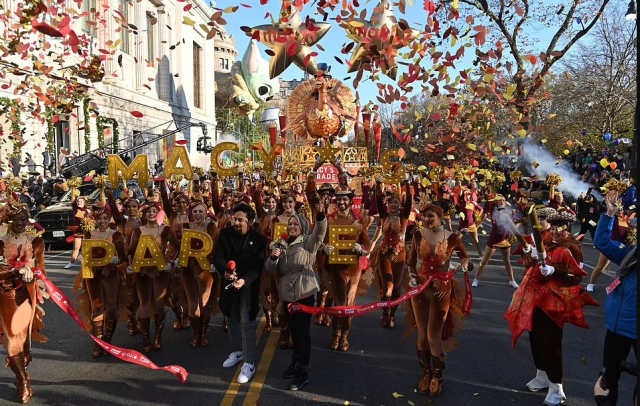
162 69
225 50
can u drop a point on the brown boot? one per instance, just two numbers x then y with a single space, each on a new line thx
285 337
384 320
327 318
206 319
437 381
344 341
186 321
132 326
276 318
392 316
97 331
110 323
159 325
424 357
196 323
177 311
319 318
23 381
337 332
268 315
144 325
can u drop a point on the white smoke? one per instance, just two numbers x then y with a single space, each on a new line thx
572 183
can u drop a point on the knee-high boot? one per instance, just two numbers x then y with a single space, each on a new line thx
437 381
384 320
327 319
424 357
196 324
97 331
159 325
344 335
144 326
177 311
337 333
268 315
110 323
322 297
285 340
392 316
206 319
23 380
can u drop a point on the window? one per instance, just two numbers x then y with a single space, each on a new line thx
123 7
226 64
221 63
197 75
89 17
151 41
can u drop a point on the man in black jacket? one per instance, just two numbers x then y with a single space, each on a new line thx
239 258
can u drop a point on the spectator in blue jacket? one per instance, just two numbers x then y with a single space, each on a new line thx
621 306
629 197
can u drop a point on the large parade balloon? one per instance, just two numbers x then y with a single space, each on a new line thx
378 40
269 115
322 107
248 85
290 40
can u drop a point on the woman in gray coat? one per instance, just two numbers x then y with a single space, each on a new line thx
294 259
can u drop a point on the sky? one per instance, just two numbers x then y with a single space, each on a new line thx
336 38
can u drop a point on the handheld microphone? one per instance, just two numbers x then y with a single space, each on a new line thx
231 265
232 268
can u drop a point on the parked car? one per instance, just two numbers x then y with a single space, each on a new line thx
57 218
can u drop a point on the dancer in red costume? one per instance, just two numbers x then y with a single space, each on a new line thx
548 297
20 314
436 312
152 283
102 290
198 283
390 256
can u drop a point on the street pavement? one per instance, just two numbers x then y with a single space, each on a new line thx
379 369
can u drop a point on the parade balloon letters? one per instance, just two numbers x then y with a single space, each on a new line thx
187 251
179 154
89 248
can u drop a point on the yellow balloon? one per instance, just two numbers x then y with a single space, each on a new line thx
215 158
179 154
566 152
147 243
200 255
604 162
387 165
89 261
139 164
335 232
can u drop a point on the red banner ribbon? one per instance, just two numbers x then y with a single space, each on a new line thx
352 311
124 354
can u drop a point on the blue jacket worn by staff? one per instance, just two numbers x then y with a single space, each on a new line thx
247 251
621 305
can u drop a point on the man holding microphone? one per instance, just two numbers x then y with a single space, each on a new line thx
239 258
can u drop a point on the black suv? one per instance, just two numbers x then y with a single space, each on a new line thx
57 218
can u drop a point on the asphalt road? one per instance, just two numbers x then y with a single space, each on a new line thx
484 370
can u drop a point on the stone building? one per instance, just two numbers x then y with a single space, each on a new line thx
225 50
164 70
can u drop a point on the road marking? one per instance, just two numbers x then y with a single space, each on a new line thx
57 255
261 374
232 391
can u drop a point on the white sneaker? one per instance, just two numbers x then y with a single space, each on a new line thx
246 373
590 287
540 382
233 359
555 395
513 284
69 265
475 283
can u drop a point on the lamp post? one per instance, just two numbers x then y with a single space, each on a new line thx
631 15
